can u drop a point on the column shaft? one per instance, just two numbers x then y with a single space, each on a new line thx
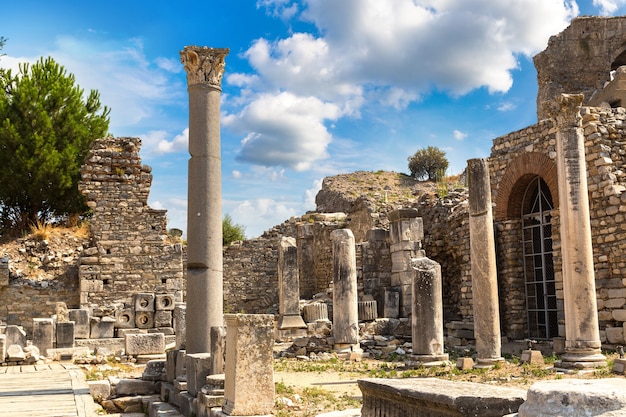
483 263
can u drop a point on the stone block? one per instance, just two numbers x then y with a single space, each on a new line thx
314 312
65 334
135 387
464 363
144 302
575 397
123 332
533 357
43 334
100 390
180 323
144 344
3 347
125 318
186 404
436 397
144 319
181 364
615 334
165 302
154 371
619 315
367 310
391 304
198 367
80 317
162 318
15 335
102 327
15 353
619 366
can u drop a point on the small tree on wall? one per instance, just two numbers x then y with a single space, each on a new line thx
428 164
231 232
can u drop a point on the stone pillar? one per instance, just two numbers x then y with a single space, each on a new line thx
290 323
180 324
249 376
427 317
314 312
4 272
582 333
483 265
205 292
345 294
306 260
43 334
406 233
218 348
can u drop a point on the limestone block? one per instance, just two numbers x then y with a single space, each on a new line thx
163 318
198 367
181 364
15 335
65 334
80 317
100 390
464 363
62 313
15 353
427 396
135 387
3 347
218 349
367 310
165 302
391 303
180 324
574 397
91 285
123 332
619 315
170 365
249 386
144 302
314 312
144 344
186 404
615 334
144 319
125 318
619 366
154 371
102 327
533 357
43 334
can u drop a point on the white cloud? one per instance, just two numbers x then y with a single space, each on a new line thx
311 193
506 106
158 142
285 9
283 130
458 135
260 214
608 7
236 174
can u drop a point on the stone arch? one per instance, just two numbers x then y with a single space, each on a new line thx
515 180
618 57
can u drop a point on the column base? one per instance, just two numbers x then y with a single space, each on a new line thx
348 351
427 361
487 363
580 361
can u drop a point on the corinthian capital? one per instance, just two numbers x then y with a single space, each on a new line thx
565 110
204 65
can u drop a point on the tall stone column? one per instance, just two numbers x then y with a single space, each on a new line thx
345 293
205 299
483 265
582 333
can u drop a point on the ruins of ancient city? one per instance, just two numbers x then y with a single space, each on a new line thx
527 249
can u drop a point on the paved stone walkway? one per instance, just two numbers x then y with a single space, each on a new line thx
53 390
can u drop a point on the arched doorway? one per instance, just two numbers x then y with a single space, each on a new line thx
540 285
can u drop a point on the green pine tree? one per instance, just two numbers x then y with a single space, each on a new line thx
47 125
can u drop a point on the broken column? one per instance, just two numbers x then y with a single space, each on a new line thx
290 323
582 334
427 317
205 299
345 294
406 233
249 383
483 265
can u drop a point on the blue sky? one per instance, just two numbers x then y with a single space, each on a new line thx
312 88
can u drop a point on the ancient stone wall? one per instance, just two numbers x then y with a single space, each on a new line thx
130 251
580 59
